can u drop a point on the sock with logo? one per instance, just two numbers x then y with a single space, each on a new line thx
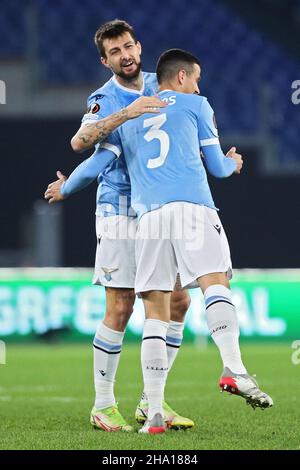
173 343
107 347
223 325
154 360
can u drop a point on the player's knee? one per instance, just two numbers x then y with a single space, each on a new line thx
118 317
180 306
119 307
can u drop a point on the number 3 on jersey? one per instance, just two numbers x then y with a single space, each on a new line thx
156 133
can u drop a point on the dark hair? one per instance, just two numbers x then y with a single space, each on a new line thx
172 61
112 29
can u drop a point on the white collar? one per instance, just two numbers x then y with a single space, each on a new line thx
164 91
129 90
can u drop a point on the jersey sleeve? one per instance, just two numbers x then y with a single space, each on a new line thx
207 127
98 107
113 143
85 173
216 162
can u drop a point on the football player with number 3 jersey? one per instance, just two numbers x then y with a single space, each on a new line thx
179 229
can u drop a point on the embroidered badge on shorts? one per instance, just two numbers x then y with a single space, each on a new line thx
108 272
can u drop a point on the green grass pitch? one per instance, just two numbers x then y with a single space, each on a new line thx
46 393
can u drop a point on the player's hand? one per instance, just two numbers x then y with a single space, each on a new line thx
53 194
237 157
145 104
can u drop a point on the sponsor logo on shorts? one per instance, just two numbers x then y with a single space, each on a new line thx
218 228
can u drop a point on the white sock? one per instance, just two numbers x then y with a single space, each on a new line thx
173 343
107 347
223 325
154 364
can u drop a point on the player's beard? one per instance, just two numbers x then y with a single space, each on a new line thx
129 76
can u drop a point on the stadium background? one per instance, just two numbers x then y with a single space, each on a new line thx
49 65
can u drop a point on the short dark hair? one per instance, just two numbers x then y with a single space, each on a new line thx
112 29
172 61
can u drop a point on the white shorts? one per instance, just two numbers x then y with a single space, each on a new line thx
183 238
115 254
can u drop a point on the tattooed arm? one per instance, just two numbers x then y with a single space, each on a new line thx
90 133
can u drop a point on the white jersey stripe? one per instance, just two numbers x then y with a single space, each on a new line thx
212 141
113 148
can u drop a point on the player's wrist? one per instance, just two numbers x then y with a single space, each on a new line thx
233 160
128 113
63 190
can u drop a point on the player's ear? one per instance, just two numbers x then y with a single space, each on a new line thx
103 61
181 76
139 46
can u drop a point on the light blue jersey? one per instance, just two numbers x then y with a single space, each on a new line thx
114 190
162 153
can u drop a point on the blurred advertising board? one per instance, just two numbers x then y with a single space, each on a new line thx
44 302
